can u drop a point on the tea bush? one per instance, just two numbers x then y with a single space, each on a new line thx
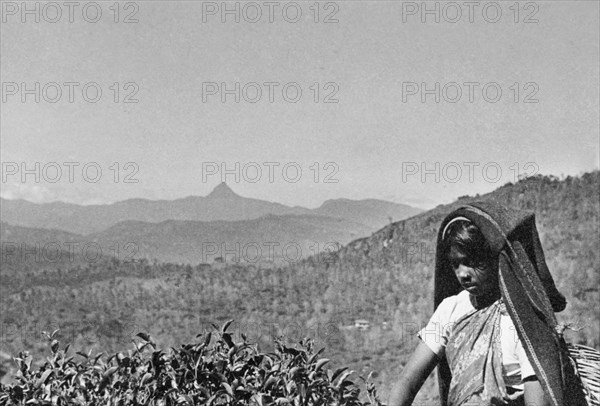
213 371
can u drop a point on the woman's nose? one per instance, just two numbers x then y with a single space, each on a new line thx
462 273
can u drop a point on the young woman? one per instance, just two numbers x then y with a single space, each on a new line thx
493 334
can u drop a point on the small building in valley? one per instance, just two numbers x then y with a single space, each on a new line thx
361 324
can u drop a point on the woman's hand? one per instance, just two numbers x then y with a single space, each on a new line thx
413 376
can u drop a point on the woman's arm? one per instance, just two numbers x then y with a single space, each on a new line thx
413 375
534 393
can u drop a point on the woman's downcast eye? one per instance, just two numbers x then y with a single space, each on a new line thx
455 263
469 263
476 264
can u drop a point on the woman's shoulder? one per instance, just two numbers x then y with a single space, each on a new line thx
460 299
455 306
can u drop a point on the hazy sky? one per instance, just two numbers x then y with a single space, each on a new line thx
180 59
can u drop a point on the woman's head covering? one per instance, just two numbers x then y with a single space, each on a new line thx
527 288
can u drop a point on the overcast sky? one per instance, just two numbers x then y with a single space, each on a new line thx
359 129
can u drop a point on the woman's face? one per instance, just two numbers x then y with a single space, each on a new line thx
479 279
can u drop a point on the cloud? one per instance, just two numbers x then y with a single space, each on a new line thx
31 192
37 193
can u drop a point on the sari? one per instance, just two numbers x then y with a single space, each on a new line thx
474 356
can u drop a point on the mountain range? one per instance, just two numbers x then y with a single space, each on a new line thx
199 229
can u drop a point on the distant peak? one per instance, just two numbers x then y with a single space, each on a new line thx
222 191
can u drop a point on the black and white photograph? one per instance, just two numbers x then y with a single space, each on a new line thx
300 202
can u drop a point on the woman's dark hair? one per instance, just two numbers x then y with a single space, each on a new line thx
467 237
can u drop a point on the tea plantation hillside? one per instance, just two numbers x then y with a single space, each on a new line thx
385 279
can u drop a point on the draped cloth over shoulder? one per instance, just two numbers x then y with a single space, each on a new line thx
527 289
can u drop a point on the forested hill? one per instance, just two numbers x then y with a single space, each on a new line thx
566 215
386 279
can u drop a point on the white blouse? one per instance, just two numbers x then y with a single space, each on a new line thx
515 364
